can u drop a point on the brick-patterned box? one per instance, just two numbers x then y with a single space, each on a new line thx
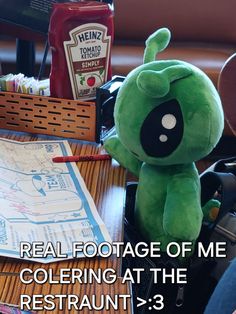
46 115
83 120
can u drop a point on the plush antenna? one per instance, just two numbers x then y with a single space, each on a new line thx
155 43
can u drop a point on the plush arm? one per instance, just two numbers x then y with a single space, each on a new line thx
211 210
114 147
183 214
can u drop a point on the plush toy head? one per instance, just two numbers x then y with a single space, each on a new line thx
167 112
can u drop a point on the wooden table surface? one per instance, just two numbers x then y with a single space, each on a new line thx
105 181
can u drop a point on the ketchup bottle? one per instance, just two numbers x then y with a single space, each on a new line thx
80 37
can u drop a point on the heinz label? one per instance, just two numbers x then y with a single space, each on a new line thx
87 55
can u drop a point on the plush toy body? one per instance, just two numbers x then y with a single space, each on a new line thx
167 115
167 198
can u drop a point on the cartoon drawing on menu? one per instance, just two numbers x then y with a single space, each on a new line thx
42 201
30 197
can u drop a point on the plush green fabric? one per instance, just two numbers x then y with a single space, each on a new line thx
167 115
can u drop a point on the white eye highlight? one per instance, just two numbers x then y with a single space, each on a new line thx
163 138
168 121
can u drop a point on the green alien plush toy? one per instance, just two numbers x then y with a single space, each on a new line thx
167 115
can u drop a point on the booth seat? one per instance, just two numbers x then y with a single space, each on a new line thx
203 33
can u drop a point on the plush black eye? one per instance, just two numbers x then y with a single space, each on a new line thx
162 130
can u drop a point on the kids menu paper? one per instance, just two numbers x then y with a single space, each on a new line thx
44 201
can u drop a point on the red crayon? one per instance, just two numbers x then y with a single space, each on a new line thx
81 158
